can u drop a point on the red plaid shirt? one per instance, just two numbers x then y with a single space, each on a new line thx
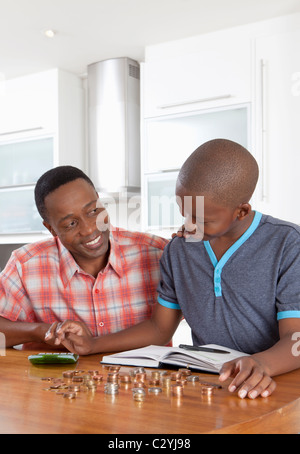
43 283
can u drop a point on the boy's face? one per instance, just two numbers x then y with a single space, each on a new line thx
210 221
73 210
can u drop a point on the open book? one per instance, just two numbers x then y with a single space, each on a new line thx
155 356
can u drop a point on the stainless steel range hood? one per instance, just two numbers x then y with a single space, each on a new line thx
114 126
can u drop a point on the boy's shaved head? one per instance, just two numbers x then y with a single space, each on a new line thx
222 170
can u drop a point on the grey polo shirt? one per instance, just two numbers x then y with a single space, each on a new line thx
238 300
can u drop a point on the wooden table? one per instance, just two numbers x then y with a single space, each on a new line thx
26 407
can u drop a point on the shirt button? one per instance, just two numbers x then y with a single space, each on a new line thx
97 290
101 324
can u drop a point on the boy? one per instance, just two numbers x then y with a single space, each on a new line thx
239 287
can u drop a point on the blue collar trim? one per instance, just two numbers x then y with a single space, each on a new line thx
218 266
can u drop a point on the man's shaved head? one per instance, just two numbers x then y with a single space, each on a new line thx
222 170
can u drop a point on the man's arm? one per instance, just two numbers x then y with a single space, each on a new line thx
21 332
158 330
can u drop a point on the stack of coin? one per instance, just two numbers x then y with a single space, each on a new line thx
139 384
207 390
74 388
185 372
77 379
166 381
112 377
181 381
125 378
69 395
138 370
155 375
68 374
111 388
177 390
155 390
138 394
114 368
176 376
193 378
141 376
90 384
97 378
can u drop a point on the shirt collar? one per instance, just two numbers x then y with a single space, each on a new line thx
68 265
116 259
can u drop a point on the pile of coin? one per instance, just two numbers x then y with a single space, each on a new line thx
142 383
73 382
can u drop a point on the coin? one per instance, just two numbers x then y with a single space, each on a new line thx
155 375
68 374
77 379
97 377
155 390
112 377
193 378
69 395
154 382
185 371
177 390
125 378
111 388
93 372
138 370
74 388
114 368
207 390
138 394
176 376
166 382
141 376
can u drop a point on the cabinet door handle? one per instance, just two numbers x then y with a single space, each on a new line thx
184 103
263 65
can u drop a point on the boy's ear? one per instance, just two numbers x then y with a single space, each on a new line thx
48 226
243 210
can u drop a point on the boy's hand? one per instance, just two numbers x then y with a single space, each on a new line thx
75 336
250 378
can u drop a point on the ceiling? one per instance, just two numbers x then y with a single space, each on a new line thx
92 30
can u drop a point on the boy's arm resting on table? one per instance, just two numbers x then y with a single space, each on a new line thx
21 332
252 374
158 330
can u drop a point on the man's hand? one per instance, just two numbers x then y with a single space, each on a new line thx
75 336
250 378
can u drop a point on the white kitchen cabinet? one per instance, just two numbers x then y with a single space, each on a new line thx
41 126
216 73
28 103
277 116
168 141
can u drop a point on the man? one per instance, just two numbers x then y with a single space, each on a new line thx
104 277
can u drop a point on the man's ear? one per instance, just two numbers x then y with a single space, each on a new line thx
48 226
243 210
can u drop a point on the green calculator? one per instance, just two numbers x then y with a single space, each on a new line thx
53 358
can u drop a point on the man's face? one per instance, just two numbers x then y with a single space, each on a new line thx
72 211
203 216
